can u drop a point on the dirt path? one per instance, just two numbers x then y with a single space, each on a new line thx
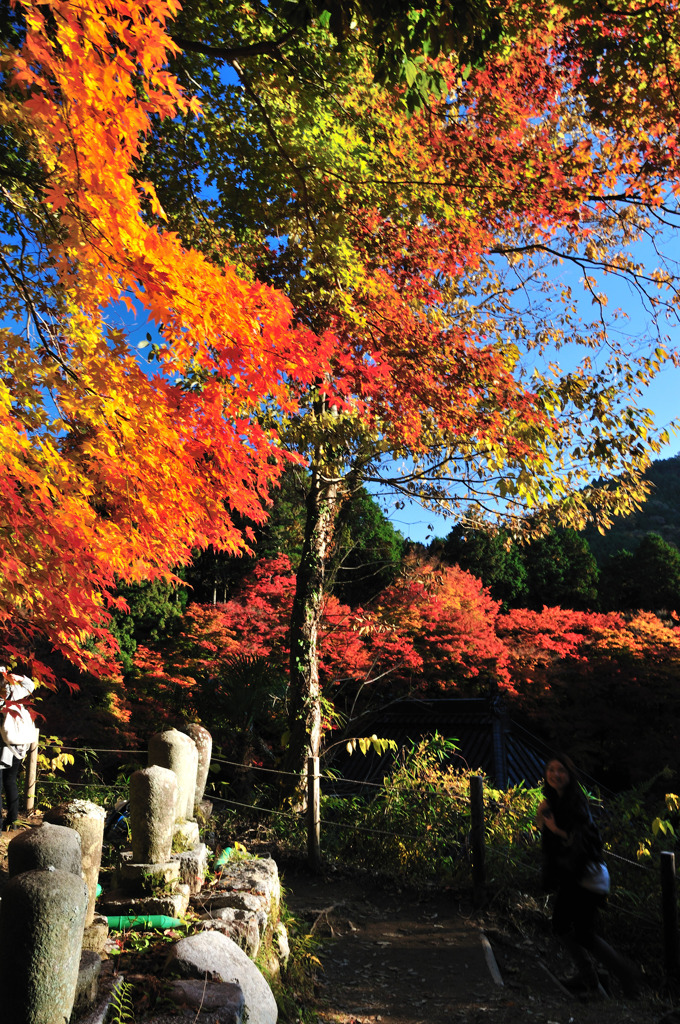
399 957
404 958
389 956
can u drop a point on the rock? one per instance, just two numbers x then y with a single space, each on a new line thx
203 741
154 794
256 876
148 879
193 865
255 904
48 846
96 934
185 836
42 916
87 819
119 903
204 811
212 956
110 988
87 986
239 925
222 1000
177 751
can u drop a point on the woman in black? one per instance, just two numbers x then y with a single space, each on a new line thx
574 870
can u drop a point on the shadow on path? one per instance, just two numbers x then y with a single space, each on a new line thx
399 957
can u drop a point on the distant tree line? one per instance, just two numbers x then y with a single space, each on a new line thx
558 570
633 566
561 570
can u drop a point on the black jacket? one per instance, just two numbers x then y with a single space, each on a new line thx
565 860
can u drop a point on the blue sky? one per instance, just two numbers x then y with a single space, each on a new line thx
662 397
415 522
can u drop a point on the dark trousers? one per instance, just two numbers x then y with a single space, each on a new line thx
9 784
575 912
574 918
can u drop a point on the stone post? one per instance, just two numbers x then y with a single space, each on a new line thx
42 916
177 751
47 847
203 741
88 821
153 812
192 754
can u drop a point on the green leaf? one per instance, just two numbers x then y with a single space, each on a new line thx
410 71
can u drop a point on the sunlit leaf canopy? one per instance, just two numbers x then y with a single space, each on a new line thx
109 473
414 212
455 247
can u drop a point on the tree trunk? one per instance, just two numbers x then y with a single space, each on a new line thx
304 712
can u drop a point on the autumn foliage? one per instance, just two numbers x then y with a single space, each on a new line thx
452 622
356 647
452 250
386 322
603 685
110 472
413 238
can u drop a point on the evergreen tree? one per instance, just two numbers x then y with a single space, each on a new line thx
562 571
657 574
367 553
155 610
647 578
618 587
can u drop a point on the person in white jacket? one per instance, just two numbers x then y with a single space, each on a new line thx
17 733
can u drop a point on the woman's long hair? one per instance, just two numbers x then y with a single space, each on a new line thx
573 796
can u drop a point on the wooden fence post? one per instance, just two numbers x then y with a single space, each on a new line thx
313 814
477 838
669 913
31 776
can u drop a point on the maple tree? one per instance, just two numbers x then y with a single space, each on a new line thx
428 245
417 251
577 679
193 670
110 473
603 685
494 558
451 619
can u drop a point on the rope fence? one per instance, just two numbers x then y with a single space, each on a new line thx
76 785
474 842
96 750
254 807
627 860
304 777
300 817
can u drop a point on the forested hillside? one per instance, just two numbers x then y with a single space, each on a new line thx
660 514
633 565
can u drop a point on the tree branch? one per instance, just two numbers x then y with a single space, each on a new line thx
270 48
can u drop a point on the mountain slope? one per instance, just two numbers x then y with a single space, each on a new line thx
660 514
